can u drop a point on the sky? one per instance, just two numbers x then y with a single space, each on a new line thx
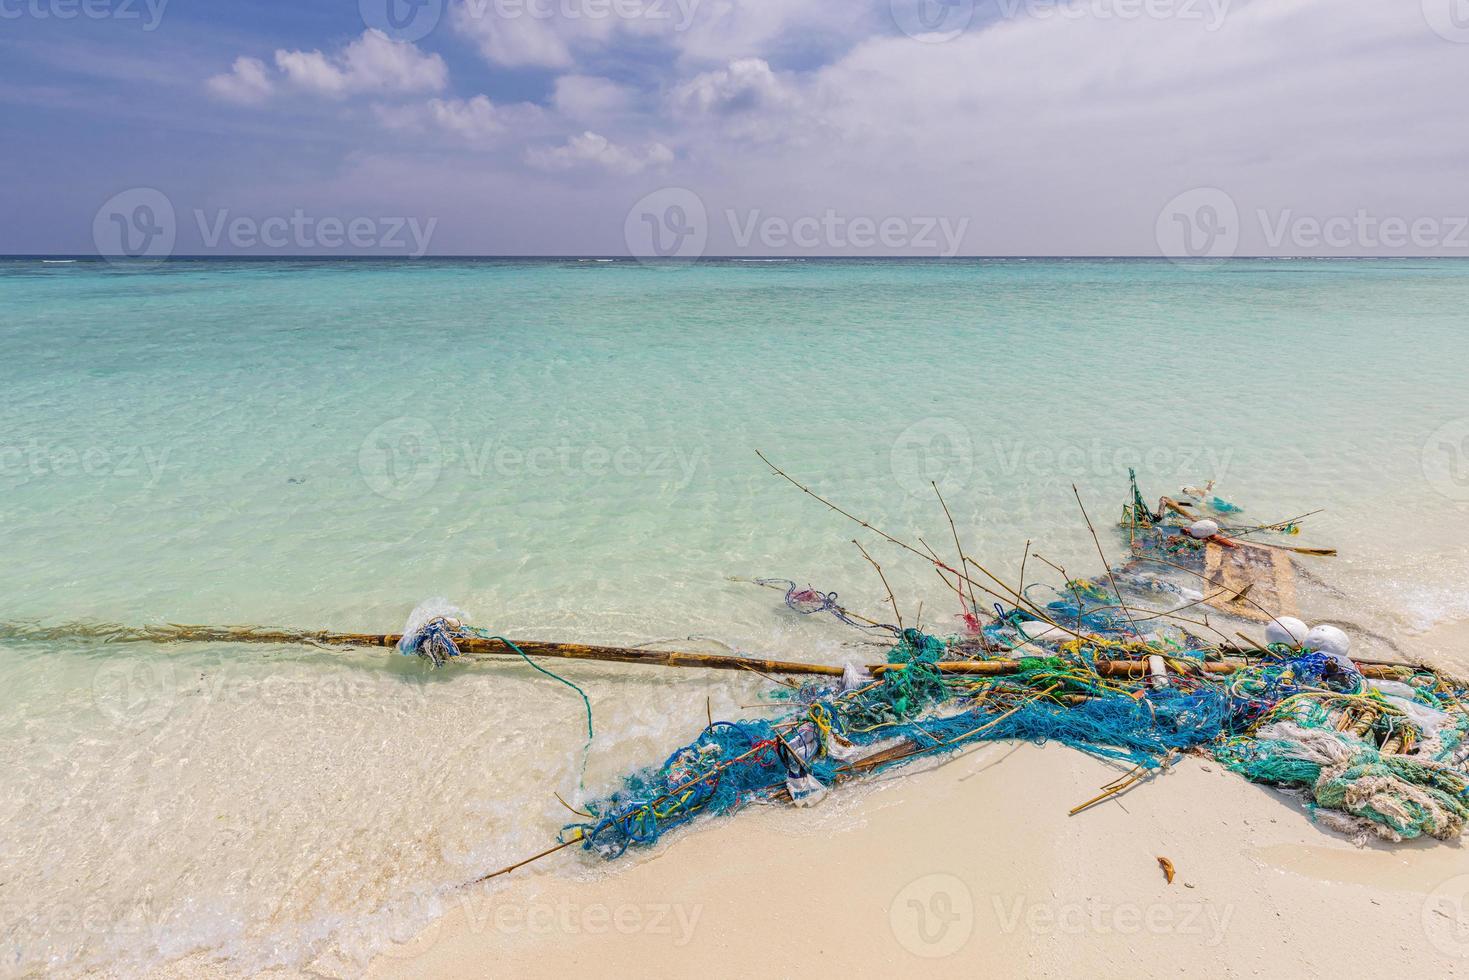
680 128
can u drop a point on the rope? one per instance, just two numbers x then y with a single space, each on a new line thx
486 635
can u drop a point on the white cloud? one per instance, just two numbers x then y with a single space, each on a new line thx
565 33
247 82
475 120
587 98
1058 134
726 30
746 85
1068 134
590 149
523 40
372 63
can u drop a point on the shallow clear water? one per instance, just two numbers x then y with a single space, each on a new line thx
567 450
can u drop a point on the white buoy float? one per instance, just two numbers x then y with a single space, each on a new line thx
1328 640
1037 630
1288 630
1203 530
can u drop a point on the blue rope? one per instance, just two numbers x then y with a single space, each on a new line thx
511 644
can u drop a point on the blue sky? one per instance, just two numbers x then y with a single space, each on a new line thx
911 127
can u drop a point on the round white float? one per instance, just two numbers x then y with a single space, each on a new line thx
1288 630
1328 640
1203 529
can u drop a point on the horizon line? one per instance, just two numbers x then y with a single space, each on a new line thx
248 256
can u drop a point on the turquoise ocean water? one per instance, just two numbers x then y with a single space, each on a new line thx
566 449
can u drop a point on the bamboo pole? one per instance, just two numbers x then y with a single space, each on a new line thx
489 647
654 658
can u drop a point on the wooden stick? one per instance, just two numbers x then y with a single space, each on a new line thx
995 721
960 548
1309 552
521 864
891 600
1105 564
1012 596
1116 786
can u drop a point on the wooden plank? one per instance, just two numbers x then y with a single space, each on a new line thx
1267 573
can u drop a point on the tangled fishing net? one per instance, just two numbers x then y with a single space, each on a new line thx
1372 749
1370 756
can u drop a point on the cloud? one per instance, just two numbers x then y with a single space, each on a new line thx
590 149
373 63
587 98
476 120
726 30
1058 134
247 82
1068 134
746 85
523 40
562 34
